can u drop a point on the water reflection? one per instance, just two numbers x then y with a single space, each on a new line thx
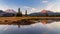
42 27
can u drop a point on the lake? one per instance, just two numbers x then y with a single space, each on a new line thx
42 27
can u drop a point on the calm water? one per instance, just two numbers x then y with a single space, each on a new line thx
37 28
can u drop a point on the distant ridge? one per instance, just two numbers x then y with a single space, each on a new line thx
44 12
11 12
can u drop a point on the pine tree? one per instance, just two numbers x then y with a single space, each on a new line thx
26 13
19 14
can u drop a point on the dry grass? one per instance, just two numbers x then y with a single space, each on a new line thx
20 18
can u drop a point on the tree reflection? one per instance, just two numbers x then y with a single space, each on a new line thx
18 25
29 22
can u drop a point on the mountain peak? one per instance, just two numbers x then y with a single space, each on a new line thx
10 11
44 11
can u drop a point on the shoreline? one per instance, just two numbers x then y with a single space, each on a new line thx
8 20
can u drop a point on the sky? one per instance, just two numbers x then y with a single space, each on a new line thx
30 5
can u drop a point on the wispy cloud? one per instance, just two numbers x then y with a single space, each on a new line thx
55 7
4 7
34 9
50 6
29 9
44 1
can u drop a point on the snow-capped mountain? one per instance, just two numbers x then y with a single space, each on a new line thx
10 11
7 13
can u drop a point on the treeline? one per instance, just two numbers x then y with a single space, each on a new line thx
44 15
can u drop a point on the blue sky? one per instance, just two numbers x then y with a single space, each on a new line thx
30 5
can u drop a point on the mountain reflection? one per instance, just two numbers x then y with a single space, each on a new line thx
38 27
46 21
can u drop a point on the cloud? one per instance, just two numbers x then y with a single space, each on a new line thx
4 7
44 1
23 8
34 9
55 7
29 9
50 6
26 7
